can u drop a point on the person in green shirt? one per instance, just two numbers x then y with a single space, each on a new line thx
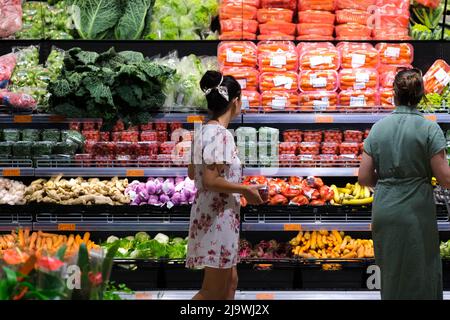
401 154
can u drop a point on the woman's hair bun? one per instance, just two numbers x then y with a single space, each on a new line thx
210 80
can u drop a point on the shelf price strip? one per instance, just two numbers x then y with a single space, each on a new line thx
292 227
192 119
23 119
135 173
265 296
431 117
11 172
324 119
66 227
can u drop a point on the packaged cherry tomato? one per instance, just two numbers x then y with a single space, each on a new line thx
279 81
167 147
350 30
320 29
130 136
349 159
330 148
116 136
277 56
308 160
395 53
312 148
292 135
288 147
160 126
146 127
92 125
328 160
353 136
148 136
104 149
312 136
276 101
318 80
358 79
162 136
124 148
237 54
234 24
119 126
366 133
251 101
325 5
73 125
91 135
349 148
105 136
288 160
247 77
318 101
316 16
358 55
83 159
332 136
437 77
147 149
318 56
274 14
89 146
175 126
358 100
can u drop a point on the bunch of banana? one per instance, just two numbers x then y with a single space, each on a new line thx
325 245
352 194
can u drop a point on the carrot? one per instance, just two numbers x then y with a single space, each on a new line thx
325 5
86 237
277 27
244 11
26 236
70 241
78 239
237 35
2 243
320 29
314 16
274 14
32 241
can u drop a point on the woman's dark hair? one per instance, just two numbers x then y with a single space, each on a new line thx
217 103
408 87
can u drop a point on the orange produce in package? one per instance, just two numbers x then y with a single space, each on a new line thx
387 73
251 101
279 101
351 30
316 16
358 100
320 29
318 56
274 14
314 37
363 5
358 79
237 54
274 27
286 4
395 53
239 24
318 101
253 3
237 35
352 16
278 81
430 3
324 5
358 55
318 80
387 99
276 36
277 56
243 11
246 76
437 77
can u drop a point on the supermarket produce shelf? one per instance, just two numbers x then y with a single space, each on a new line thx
319 172
111 172
370 118
186 117
40 119
12 221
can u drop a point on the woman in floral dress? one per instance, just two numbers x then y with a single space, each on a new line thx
214 227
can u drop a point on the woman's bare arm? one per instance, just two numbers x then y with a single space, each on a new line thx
213 181
191 171
367 175
441 170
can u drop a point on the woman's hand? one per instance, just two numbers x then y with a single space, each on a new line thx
251 194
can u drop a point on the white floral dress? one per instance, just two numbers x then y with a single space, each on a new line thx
215 222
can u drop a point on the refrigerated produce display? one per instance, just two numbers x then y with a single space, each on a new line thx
96 136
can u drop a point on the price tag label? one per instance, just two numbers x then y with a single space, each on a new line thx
143 296
363 77
392 52
242 83
318 82
245 103
324 119
192 119
23 119
359 101
359 85
234 57
280 81
279 103
442 76
321 105
135 173
278 61
66 227
431 117
265 296
56 119
292 227
11 172
358 60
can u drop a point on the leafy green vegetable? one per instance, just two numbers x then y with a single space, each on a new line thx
93 18
431 102
427 16
445 249
132 23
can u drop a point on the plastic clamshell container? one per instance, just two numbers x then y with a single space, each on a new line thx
247 77
358 79
292 135
237 54
318 101
330 148
349 148
353 136
279 81
288 147
332 136
312 148
149 135
318 80
246 134
395 53
312 136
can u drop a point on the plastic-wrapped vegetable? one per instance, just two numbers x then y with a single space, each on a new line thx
316 80
316 16
351 30
318 101
12 135
274 14
51 135
358 100
277 56
314 37
31 135
388 72
273 101
246 134
277 27
247 77
237 54
7 64
387 98
358 55
42 148
292 135
358 79
10 17
22 149
325 5
355 4
251 101
267 134
238 24
19 101
237 35
318 56
279 81
352 16
65 148
430 3
437 77
319 29
395 53
287 4
268 153
248 152
5 149
277 36
231 10
74 136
